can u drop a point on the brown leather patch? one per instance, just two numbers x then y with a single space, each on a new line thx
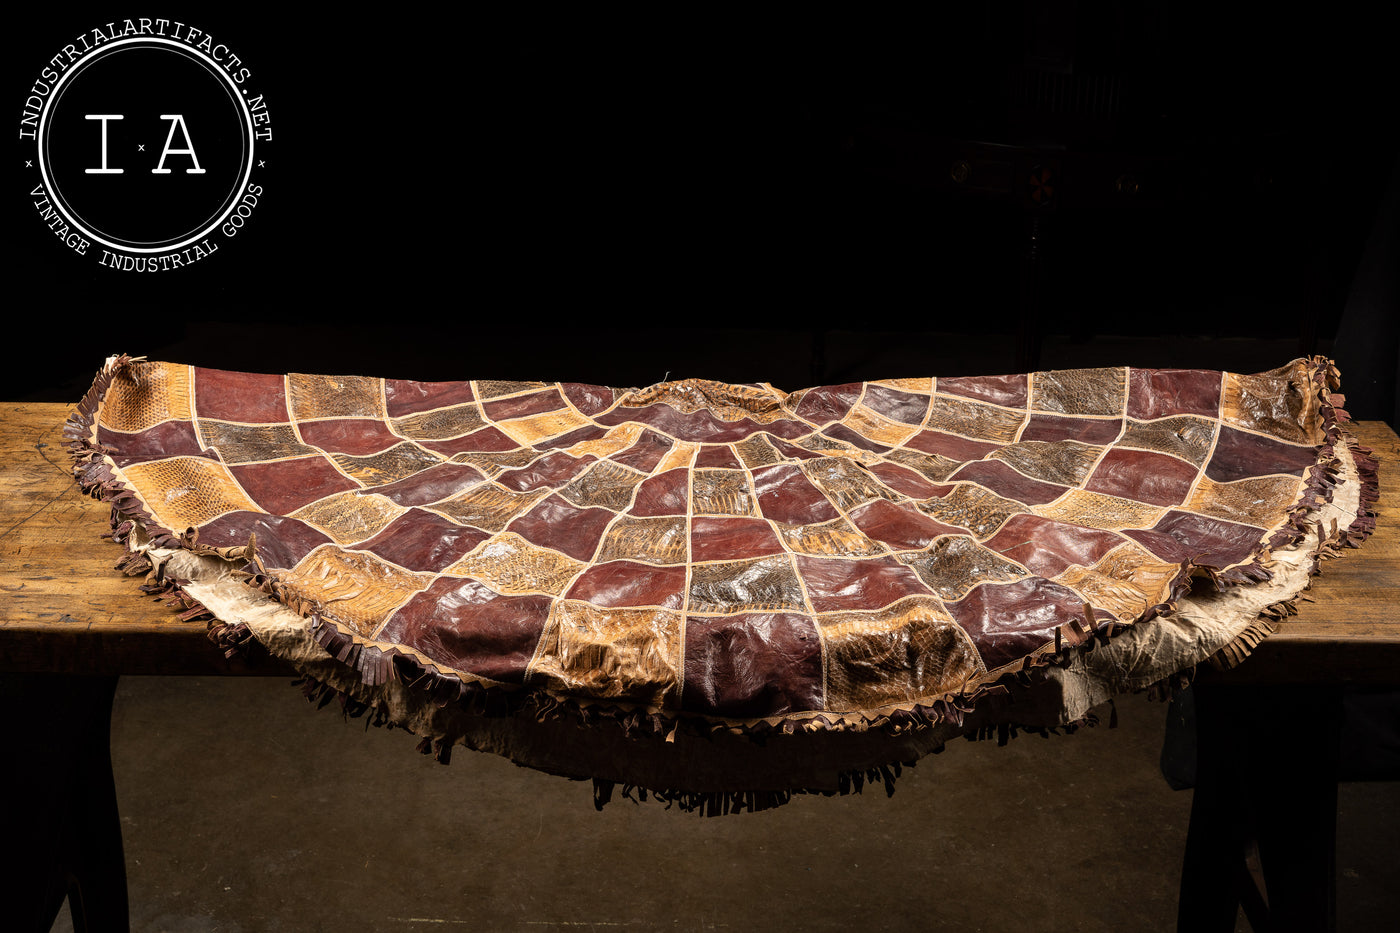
717 455
421 540
1157 393
727 538
835 584
553 469
467 626
247 397
908 482
589 399
1153 478
950 446
167 439
405 396
433 484
1010 620
282 541
622 583
663 494
645 453
1182 536
1008 391
283 486
521 406
752 664
825 404
559 524
903 407
1064 428
1008 483
900 526
1047 547
1239 454
349 436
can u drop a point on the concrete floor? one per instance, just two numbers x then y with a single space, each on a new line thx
246 809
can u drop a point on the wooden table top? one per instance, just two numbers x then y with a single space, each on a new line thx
66 609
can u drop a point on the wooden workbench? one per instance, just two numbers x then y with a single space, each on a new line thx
70 624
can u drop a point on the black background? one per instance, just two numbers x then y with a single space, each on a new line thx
617 200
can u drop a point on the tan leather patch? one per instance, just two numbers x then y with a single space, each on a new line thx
1097 510
509 564
632 655
1126 581
185 492
350 517
355 588
335 396
147 395
1281 403
1251 501
488 506
866 655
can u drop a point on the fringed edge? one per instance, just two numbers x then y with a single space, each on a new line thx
1320 482
1368 470
94 471
376 665
723 803
1004 732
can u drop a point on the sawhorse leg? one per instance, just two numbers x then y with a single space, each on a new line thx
1266 781
60 799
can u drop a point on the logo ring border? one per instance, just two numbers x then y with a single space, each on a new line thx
248 125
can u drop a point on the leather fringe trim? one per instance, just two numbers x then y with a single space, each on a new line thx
723 803
1321 480
1234 654
94 472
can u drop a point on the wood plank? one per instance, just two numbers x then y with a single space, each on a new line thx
1347 630
64 607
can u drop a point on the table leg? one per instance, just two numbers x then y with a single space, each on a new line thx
1267 778
61 803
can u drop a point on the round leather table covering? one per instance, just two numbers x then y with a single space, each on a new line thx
715 592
